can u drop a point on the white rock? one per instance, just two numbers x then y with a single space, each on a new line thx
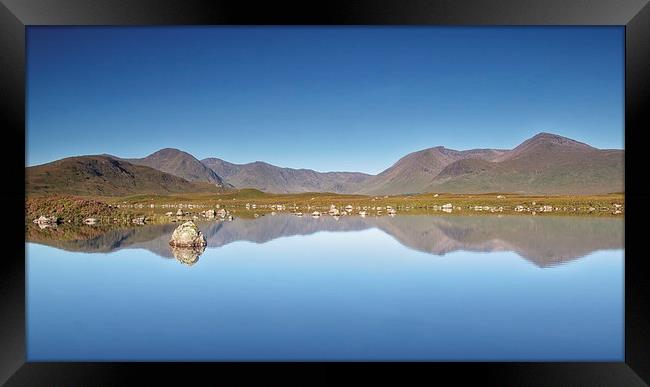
187 235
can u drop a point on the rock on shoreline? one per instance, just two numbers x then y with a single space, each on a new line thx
44 221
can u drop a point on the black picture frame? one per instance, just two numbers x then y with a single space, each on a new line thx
15 15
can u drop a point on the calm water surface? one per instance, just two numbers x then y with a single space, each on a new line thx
287 288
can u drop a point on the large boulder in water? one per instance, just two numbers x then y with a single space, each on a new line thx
187 235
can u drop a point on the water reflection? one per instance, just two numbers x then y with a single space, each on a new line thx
187 255
544 241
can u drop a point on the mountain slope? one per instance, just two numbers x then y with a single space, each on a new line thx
415 171
104 176
270 178
546 163
181 164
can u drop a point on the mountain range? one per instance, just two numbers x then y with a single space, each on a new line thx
544 164
270 178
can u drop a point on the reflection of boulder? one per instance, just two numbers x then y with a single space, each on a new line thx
187 235
187 255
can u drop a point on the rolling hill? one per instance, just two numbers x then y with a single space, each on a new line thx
104 176
270 178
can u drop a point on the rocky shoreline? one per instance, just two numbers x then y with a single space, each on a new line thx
52 212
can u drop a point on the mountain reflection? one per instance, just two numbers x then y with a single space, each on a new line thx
545 241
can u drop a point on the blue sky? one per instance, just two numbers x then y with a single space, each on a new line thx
325 98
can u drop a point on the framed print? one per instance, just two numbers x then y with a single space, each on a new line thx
403 189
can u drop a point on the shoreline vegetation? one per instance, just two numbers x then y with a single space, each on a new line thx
55 210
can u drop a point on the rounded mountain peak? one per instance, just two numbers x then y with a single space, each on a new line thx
555 139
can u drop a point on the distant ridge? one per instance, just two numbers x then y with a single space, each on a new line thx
270 178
